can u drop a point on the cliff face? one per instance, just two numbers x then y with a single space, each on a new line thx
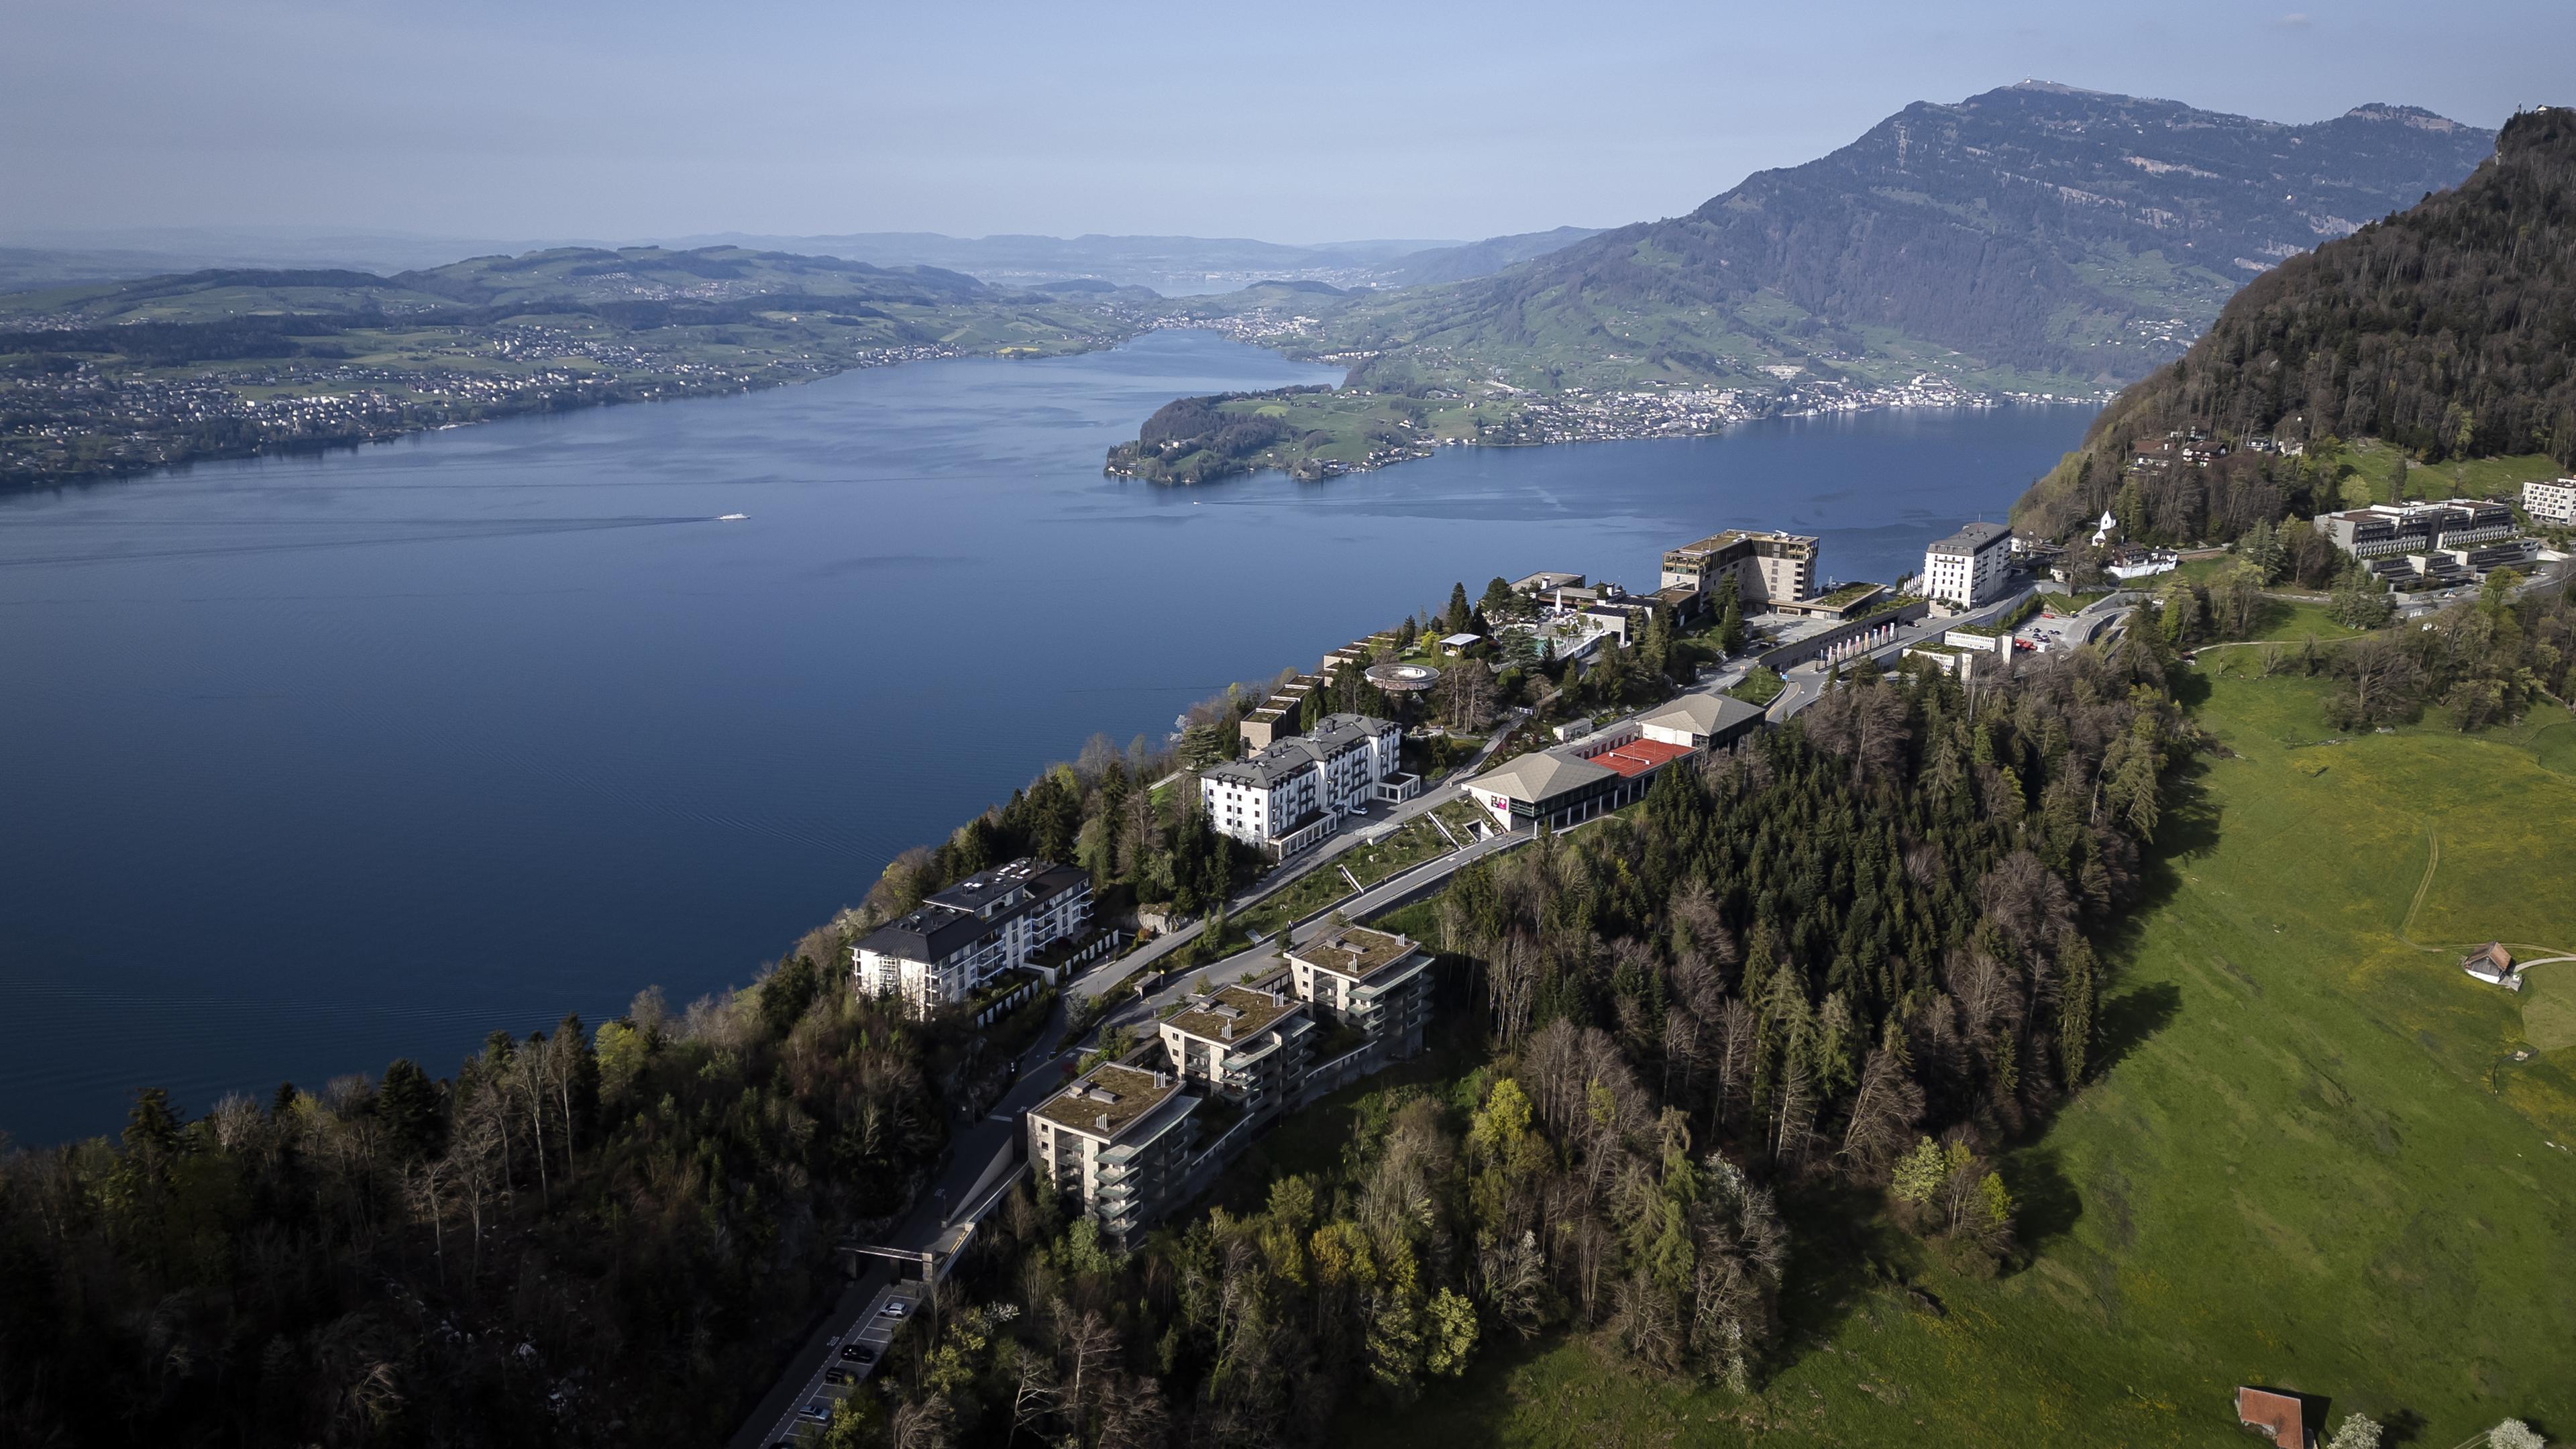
2448 329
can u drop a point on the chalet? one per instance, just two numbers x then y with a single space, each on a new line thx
2493 964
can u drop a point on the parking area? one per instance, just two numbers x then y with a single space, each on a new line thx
851 1357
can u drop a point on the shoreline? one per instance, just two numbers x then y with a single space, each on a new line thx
402 419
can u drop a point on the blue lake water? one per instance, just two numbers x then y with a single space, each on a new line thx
317 762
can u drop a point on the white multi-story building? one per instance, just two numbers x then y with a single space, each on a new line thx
960 938
2550 500
1968 568
1295 792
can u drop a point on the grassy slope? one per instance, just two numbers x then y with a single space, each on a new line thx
2312 1161
2373 475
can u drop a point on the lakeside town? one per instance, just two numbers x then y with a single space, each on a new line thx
1361 787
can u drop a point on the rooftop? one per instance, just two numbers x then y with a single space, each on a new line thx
953 918
1536 777
1703 714
1247 1012
1716 541
1109 1100
1332 734
1354 951
1638 756
1973 537
2277 1417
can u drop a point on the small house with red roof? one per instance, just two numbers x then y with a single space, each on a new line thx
2276 1416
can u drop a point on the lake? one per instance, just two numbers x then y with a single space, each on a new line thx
316 762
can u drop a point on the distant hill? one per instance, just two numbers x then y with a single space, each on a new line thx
1172 265
1477 259
656 274
2448 330
2039 230
587 278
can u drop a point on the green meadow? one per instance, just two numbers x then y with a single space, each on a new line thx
2318 1156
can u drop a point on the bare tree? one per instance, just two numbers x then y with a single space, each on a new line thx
1884 1109
1034 1396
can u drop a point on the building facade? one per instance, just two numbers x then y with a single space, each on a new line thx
1287 797
1766 566
1375 983
1969 567
960 938
2550 501
2384 529
1117 1145
1243 1044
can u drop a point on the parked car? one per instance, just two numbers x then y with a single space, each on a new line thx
850 1352
818 1411
836 1376
894 1308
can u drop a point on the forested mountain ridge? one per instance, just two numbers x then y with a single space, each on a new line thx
2448 330
2036 228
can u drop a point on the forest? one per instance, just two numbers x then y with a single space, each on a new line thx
1847 961
579 1238
2448 330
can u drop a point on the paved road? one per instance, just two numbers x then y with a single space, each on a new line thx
981 1149
1806 683
1355 833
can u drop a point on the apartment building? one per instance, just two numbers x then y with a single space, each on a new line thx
2383 529
1117 1145
2550 501
960 938
1969 567
1287 797
1246 1045
1374 982
1766 566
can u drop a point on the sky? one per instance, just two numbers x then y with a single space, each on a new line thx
1319 121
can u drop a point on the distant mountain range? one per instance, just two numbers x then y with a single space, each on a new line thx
585 278
1170 265
2447 330
2036 230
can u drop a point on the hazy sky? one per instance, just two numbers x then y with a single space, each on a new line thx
1300 122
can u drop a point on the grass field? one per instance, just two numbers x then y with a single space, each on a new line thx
2312 1160
2374 475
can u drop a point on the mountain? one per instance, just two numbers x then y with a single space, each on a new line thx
2034 230
1477 259
2447 331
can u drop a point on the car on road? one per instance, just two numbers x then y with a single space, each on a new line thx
816 1411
